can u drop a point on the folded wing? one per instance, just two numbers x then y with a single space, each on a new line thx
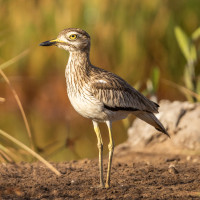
116 94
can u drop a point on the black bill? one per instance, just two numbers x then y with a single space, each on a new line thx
48 43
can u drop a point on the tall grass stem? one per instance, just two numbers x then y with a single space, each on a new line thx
23 146
20 107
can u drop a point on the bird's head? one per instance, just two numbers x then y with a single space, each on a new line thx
71 39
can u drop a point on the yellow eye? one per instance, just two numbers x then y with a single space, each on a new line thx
72 36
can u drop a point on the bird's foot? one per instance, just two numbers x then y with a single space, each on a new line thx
107 185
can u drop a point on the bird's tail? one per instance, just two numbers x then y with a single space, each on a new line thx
151 119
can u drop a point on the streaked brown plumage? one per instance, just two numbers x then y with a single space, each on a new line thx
98 94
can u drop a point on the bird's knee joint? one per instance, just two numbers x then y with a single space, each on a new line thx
111 146
100 145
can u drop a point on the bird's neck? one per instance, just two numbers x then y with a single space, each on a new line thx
78 68
78 60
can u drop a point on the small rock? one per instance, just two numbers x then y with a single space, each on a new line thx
172 169
188 158
195 160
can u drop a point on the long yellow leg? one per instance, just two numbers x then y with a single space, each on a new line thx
111 149
100 147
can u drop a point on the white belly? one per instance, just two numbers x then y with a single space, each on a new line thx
89 107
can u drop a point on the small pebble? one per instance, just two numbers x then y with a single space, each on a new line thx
188 158
172 169
195 160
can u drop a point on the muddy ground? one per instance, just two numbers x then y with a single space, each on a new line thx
135 175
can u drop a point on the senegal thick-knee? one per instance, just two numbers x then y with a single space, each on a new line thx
98 94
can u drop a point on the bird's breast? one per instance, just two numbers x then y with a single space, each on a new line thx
84 102
81 98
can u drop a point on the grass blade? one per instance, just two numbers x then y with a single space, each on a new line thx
184 90
196 34
20 107
23 146
183 42
5 155
13 60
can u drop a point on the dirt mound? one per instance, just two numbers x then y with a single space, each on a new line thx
181 120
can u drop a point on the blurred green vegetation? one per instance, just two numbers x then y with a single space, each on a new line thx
134 39
189 47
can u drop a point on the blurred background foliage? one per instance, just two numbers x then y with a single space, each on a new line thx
134 39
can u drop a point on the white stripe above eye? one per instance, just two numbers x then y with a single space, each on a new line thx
72 33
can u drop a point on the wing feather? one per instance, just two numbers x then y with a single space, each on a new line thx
117 94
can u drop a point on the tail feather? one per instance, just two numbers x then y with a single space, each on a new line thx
151 119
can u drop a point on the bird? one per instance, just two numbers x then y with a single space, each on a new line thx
100 95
